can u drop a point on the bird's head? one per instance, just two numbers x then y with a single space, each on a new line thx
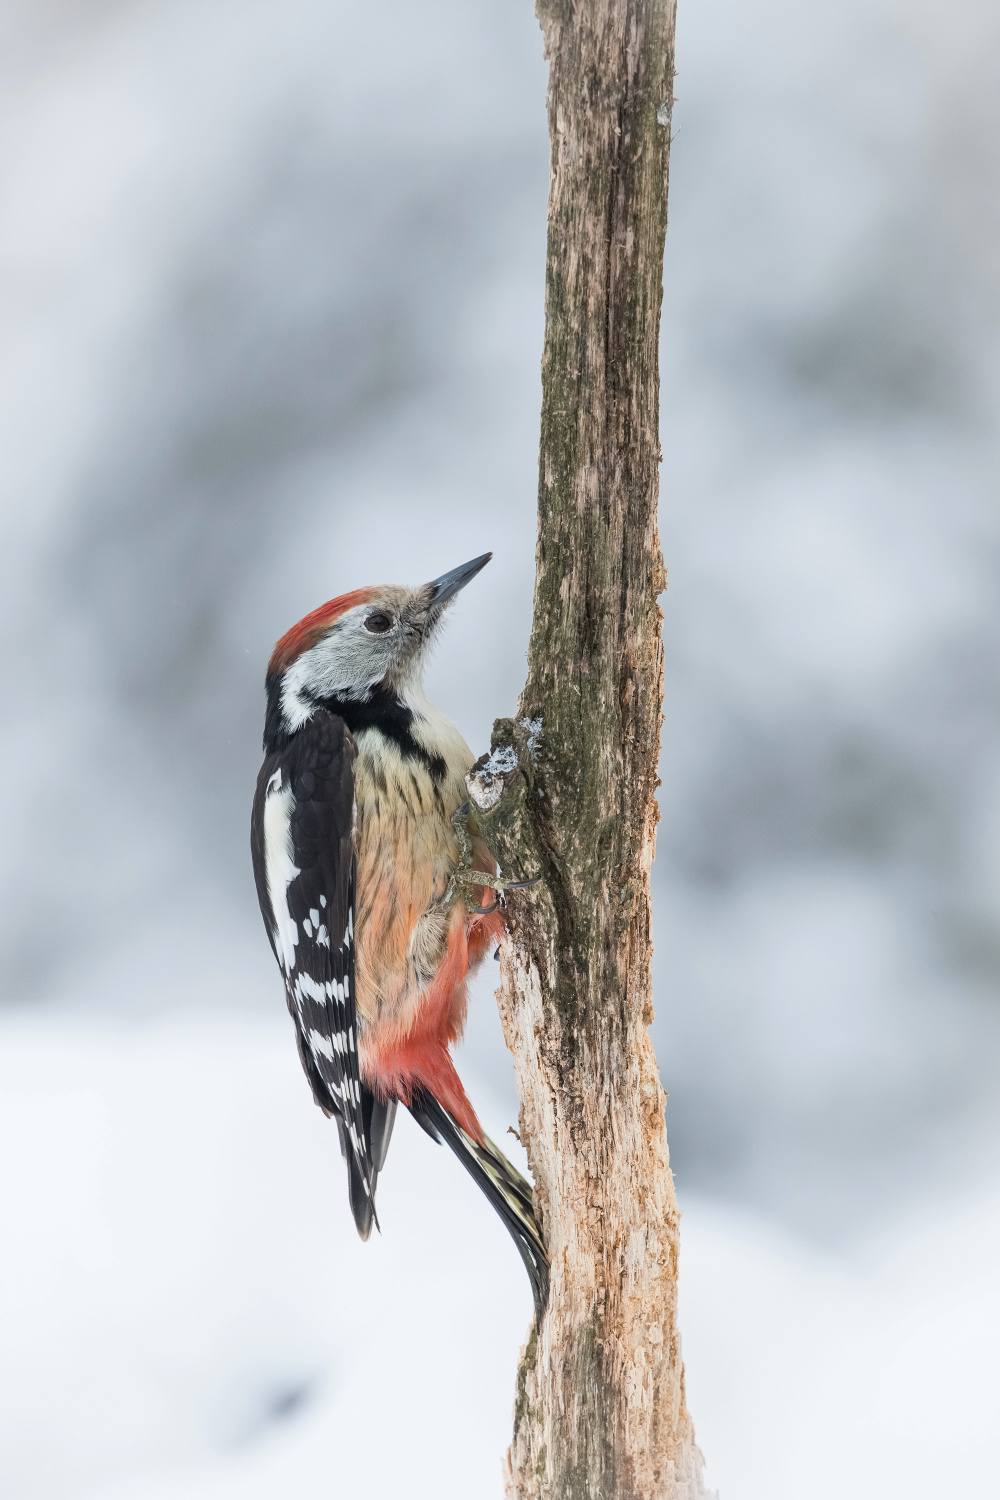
356 647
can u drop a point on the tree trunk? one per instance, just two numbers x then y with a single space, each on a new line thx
600 1408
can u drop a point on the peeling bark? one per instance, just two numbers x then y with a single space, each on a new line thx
600 1408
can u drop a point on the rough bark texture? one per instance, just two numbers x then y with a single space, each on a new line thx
600 1408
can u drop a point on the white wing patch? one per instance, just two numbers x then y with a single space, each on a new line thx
320 990
280 867
326 1046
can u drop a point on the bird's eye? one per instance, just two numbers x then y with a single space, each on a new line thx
378 623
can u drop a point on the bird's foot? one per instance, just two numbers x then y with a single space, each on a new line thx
465 872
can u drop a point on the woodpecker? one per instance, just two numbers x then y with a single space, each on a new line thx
359 832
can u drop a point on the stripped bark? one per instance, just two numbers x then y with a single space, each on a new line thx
600 1408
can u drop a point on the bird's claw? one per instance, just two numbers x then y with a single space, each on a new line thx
466 875
493 883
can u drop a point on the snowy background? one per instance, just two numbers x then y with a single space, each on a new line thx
270 320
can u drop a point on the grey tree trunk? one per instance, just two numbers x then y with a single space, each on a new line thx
600 1408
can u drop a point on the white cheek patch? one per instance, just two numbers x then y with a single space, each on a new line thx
280 867
347 663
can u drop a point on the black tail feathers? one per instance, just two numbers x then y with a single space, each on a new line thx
502 1184
362 1176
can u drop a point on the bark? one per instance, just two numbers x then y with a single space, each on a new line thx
600 1407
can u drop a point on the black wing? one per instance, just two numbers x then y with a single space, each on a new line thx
303 856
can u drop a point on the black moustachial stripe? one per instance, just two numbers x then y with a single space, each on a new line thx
382 711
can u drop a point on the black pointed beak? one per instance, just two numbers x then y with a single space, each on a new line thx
447 586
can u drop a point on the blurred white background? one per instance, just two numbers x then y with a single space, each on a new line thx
271 286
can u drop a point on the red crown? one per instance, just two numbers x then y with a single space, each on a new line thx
307 632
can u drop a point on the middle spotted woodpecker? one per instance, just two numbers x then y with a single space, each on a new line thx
358 832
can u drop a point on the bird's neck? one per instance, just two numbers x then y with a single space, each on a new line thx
393 713
389 715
